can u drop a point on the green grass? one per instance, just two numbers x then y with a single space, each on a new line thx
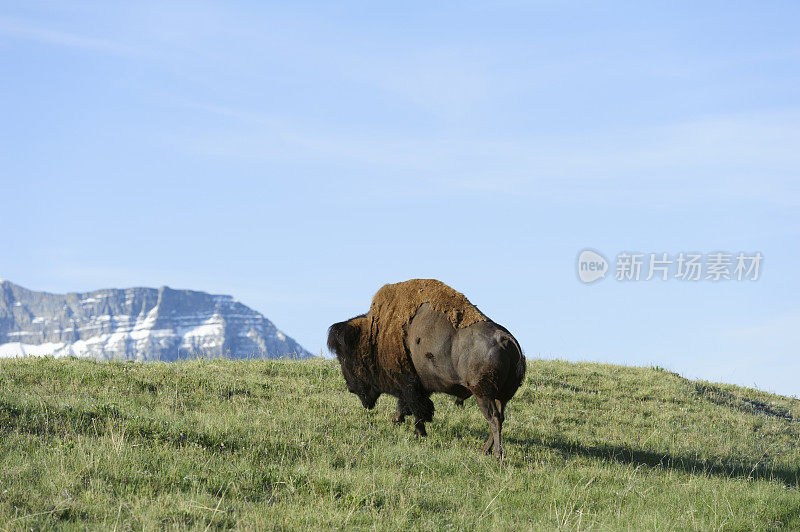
213 444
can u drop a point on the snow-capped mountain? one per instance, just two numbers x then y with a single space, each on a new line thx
136 324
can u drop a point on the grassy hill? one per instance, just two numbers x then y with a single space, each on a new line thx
269 444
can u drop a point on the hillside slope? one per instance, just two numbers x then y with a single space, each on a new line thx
282 444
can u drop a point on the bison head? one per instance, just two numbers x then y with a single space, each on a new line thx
344 339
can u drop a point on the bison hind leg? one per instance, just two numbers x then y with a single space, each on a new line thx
489 443
493 410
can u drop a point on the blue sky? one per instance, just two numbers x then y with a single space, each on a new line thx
298 156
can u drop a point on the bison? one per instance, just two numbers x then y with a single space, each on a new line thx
420 337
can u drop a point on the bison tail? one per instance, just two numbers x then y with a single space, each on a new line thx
515 368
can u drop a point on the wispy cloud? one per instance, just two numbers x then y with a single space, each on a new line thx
746 156
16 28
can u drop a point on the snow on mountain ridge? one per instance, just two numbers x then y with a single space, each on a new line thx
136 323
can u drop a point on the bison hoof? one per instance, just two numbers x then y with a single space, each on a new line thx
460 403
397 418
420 432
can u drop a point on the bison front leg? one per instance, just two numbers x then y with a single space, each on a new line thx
403 410
423 414
421 406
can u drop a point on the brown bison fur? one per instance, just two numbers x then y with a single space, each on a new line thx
394 305
456 349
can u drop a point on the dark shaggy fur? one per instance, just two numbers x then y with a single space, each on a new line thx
421 337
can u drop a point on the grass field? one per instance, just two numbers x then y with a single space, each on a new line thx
213 444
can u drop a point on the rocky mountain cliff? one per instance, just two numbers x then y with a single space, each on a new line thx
136 324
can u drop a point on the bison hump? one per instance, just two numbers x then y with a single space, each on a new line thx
394 306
